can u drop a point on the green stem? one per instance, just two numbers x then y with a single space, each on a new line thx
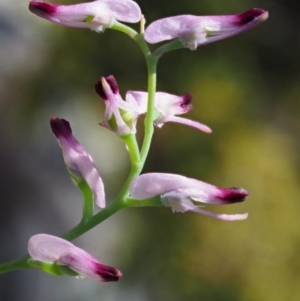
108 211
26 262
173 45
86 225
137 162
133 149
88 200
139 38
21 263
149 129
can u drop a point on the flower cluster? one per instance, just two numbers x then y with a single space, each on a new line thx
180 193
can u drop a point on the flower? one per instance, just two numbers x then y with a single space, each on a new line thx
48 248
108 90
180 193
121 116
96 15
193 31
79 163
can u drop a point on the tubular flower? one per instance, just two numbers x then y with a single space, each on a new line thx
121 116
194 31
117 110
79 163
96 15
48 248
180 193
168 106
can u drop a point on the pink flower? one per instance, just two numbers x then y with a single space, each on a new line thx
95 15
121 116
193 31
108 90
48 248
180 193
79 163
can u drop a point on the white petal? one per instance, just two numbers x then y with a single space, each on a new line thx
199 126
48 248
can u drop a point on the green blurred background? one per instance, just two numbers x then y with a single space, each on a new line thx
245 88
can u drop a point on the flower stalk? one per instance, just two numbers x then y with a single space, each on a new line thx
58 256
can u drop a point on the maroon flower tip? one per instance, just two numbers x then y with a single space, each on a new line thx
251 15
60 127
186 101
233 195
42 8
113 84
107 273
99 90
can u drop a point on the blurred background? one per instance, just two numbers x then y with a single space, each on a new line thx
246 88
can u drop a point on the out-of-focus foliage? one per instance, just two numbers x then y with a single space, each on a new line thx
246 88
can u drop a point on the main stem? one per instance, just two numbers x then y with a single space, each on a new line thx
137 163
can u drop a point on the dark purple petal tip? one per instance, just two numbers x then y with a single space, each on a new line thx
107 273
99 90
252 15
113 84
186 99
233 195
42 8
60 127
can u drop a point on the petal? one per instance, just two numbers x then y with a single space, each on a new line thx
224 217
48 248
124 10
179 204
87 266
168 28
152 184
170 104
138 100
195 124
165 103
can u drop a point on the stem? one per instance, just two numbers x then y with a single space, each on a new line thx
21 263
133 149
123 28
149 129
139 38
26 262
88 200
137 162
86 225
174 45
